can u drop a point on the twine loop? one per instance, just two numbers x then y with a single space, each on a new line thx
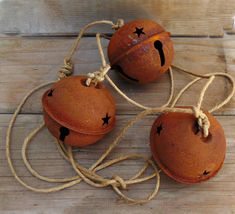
97 76
120 23
202 120
89 175
66 70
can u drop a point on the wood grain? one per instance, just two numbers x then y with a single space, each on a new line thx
28 62
35 37
63 17
214 196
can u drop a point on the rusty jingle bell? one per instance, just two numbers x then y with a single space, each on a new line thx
182 152
77 114
141 51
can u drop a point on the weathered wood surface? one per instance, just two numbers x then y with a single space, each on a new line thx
214 196
28 62
25 62
60 17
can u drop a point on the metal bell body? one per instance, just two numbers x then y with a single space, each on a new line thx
141 51
181 151
76 114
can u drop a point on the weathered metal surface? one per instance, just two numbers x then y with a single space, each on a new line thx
76 114
141 50
182 152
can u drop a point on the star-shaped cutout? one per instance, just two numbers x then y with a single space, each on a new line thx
106 119
50 93
139 31
159 129
206 172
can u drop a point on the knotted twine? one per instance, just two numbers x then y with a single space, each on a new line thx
90 175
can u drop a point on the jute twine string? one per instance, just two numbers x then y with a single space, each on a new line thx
90 175
67 68
203 121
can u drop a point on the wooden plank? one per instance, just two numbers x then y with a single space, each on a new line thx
60 17
28 62
214 196
227 18
229 55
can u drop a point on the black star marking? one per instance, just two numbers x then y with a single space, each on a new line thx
106 119
206 172
159 129
50 93
139 31
63 133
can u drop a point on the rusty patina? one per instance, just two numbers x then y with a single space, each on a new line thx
77 114
181 151
141 51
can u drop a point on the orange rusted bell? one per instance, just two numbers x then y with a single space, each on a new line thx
76 114
181 151
141 51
